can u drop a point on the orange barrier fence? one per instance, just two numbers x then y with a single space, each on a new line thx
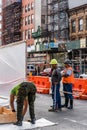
42 83
80 88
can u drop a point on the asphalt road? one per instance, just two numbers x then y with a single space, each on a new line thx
75 119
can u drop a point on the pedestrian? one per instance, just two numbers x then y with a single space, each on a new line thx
13 97
27 89
68 80
55 79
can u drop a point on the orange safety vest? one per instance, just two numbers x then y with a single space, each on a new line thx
69 79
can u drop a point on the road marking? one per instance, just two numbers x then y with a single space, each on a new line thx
78 122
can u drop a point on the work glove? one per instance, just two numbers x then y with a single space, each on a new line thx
13 110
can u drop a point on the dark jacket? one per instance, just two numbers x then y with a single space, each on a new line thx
56 76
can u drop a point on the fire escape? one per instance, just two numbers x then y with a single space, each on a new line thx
58 19
11 23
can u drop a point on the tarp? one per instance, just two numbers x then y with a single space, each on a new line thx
41 124
12 66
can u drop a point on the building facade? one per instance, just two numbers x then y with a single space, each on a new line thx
11 11
33 15
58 19
78 31
28 21
78 23
52 18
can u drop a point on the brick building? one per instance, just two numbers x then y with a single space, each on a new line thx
33 15
78 23
78 31
28 23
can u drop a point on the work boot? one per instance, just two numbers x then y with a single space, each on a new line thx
71 104
59 109
66 103
18 123
52 110
33 121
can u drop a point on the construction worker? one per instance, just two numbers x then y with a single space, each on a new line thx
13 96
56 78
27 89
68 80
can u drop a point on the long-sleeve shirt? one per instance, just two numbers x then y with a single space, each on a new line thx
56 76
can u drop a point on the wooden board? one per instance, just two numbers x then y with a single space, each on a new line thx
7 116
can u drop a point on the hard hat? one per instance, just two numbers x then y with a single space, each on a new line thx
68 62
53 62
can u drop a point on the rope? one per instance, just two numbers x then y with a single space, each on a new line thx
76 93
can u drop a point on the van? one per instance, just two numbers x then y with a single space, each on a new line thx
30 69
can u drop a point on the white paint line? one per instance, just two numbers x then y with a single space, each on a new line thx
78 122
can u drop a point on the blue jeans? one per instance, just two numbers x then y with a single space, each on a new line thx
68 88
56 96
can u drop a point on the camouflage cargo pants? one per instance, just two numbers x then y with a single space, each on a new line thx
20 101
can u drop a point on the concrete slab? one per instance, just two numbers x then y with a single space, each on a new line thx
41 124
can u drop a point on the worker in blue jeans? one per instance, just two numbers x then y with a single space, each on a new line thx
56 96
55 79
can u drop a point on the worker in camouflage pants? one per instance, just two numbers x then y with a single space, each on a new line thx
26 89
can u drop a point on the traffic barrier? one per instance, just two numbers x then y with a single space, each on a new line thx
80 88
42 83
43 86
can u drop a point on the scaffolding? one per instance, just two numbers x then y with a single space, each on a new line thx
58 19
11 23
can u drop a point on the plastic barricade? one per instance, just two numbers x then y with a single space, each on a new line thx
80 88
42 83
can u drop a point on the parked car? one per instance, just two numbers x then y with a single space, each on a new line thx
83 76
46 72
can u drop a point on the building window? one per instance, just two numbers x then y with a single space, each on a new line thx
43 19
80 24
22 9
23 36
0 26
28 7
26 34
73 25
0 10
29 32
32 30
0 33
32 18
86 23
32 5
0 17
28 19
23 22
86 41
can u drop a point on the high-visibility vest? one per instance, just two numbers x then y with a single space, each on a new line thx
68 79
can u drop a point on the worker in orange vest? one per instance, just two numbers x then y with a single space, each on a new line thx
68 80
